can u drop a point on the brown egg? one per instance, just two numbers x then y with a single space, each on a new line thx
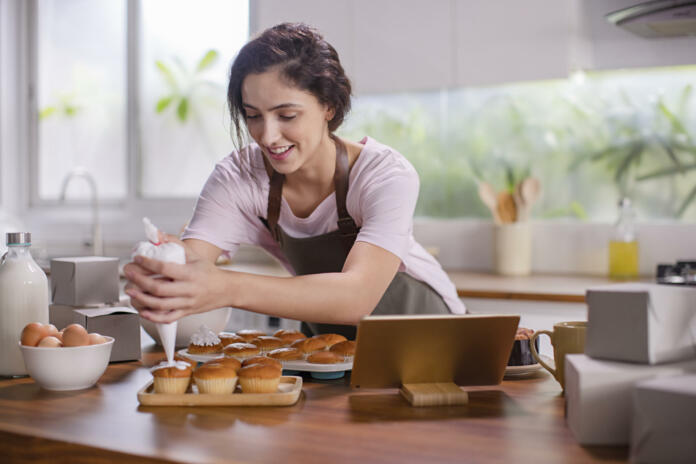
50 342
32 334
96 339
75 335
50 330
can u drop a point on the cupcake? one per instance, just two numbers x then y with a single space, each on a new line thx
234 363
259 378
521 353
188 361
241 351
288 335
266 343
325 357
250 334
171 378
331 338
309 345
286 354
262 360
345 349
204 342
228 337
215 378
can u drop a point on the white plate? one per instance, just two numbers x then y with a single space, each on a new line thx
199 357
526 370
301 366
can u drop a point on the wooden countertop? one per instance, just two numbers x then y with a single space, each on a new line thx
517 421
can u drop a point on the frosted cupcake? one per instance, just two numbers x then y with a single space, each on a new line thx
234 363
171 378
204 342
262 360
228 338
241 351
288 335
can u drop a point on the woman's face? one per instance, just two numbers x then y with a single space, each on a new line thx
289 124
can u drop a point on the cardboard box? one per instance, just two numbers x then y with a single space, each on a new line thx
83 281
120 322
641 322
598 396
664 420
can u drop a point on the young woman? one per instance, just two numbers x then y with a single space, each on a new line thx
336 213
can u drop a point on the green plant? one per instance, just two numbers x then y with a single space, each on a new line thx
183 84
65 106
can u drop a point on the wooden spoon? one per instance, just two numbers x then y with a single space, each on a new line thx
506 207
529 191
488 197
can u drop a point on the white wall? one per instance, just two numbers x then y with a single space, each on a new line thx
398 45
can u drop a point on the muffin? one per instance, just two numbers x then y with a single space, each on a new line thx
345 349
250 334
266 343
308 346
325 357
241 351
215 378
262 360
521 353
204 342
171 379
286 354
228 337
259 378
234 363
331 338
188 361
288 335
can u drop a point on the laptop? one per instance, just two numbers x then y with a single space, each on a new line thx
464 349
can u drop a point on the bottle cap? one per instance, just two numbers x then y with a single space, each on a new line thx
18 238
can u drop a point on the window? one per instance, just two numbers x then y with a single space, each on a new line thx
87 94
590 139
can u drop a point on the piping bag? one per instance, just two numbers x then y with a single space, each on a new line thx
170 252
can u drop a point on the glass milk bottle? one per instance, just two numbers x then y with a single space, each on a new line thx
23 299
623 246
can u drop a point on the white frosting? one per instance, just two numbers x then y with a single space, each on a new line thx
181 365
151 231
167 333
204 337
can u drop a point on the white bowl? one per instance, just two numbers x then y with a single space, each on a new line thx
67 368
216 320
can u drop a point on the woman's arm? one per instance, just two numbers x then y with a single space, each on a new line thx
339 298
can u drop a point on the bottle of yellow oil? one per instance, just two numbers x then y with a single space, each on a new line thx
623 246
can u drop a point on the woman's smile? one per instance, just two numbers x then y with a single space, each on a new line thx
280 153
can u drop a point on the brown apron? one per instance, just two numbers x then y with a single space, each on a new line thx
328 253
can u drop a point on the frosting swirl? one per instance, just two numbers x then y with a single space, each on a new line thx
205 337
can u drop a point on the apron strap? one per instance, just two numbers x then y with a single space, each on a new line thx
275 193
341 178
346 224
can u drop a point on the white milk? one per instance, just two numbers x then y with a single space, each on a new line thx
23 299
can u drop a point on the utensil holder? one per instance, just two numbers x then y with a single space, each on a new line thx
513 248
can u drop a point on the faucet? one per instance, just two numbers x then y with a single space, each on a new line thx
97 244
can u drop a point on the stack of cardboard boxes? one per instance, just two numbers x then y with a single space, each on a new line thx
636 382
85 290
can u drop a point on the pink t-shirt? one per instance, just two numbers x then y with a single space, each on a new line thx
382 195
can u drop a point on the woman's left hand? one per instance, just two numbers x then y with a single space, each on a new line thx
182 289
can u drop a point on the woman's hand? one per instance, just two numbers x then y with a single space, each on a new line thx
165 292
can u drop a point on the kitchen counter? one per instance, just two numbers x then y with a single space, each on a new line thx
517 421
539 287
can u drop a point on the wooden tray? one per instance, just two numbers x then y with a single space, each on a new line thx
288 393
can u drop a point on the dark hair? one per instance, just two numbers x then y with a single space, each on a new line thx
304 58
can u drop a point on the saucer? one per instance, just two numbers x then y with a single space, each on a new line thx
519 372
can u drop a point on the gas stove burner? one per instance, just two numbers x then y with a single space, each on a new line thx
682 273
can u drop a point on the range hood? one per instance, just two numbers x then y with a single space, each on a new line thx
659 18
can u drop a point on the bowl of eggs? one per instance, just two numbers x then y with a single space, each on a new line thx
69 359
